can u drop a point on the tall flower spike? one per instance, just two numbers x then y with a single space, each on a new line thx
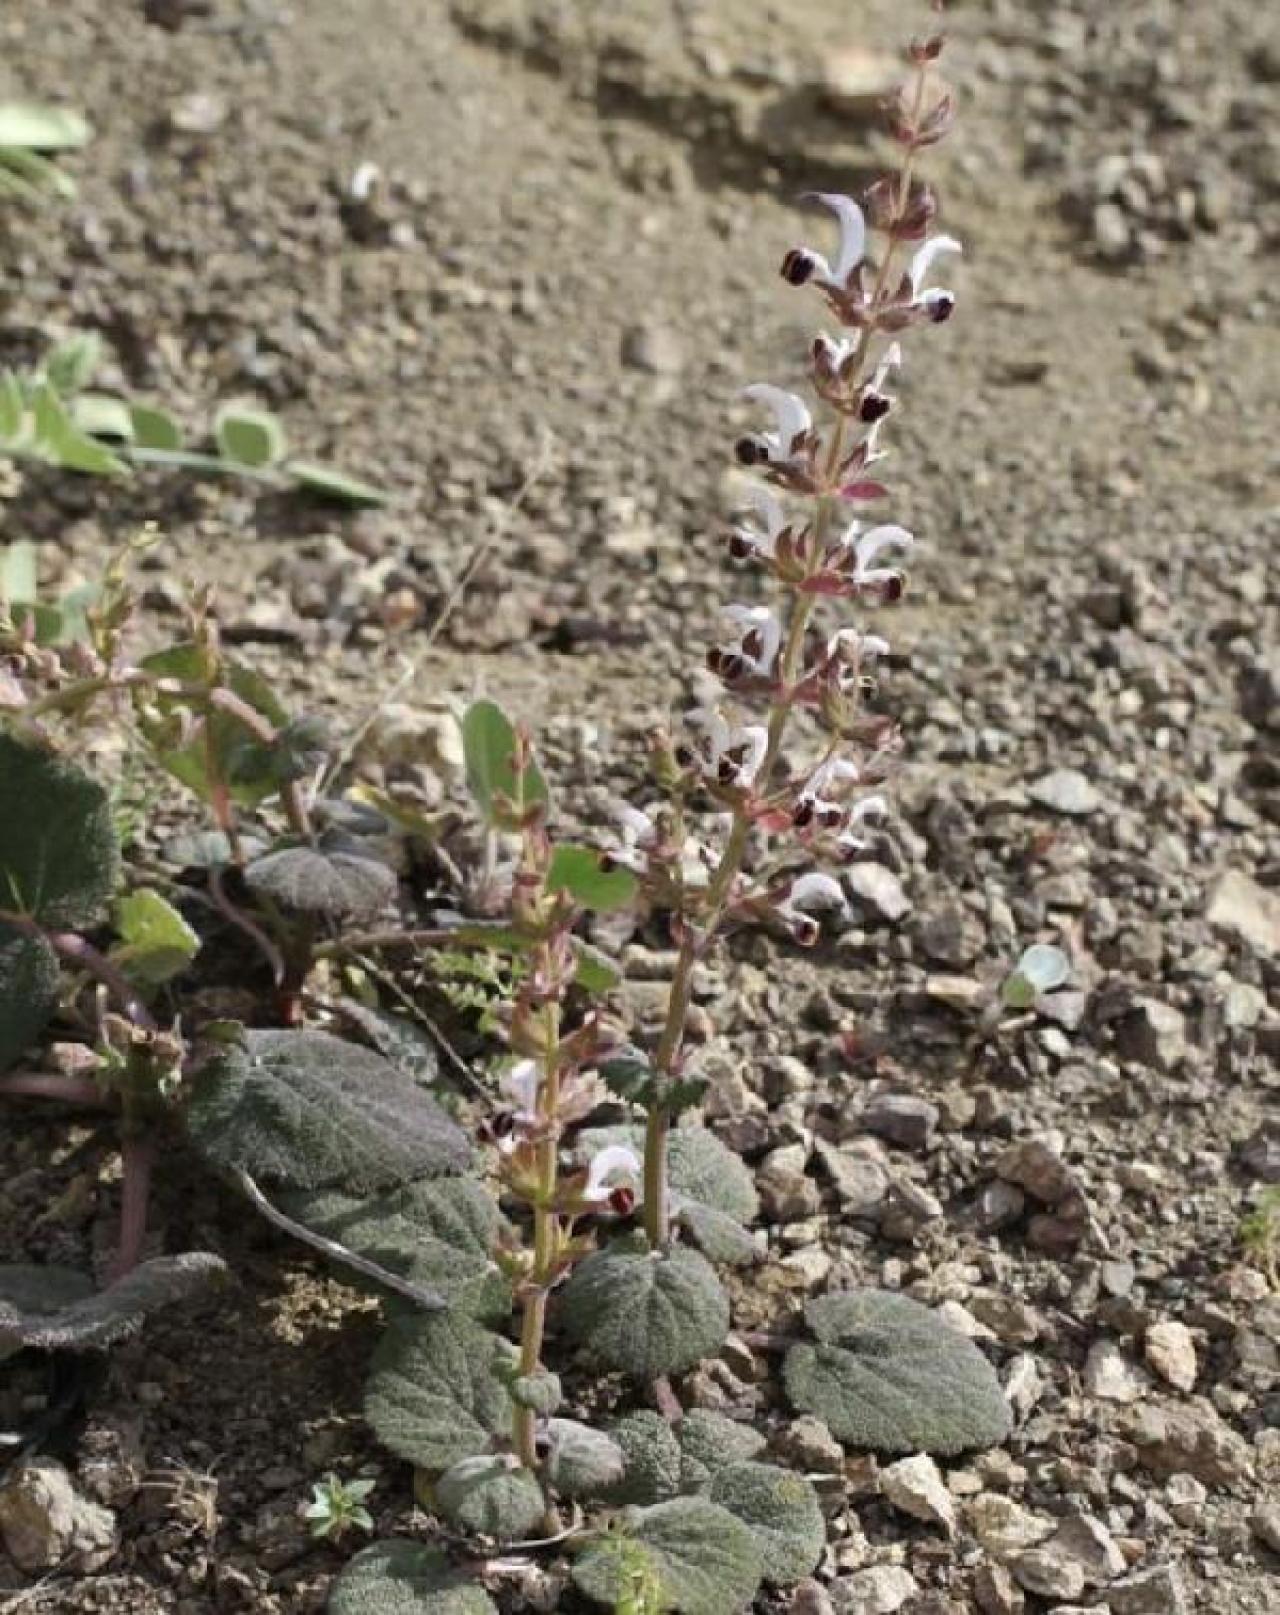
804 264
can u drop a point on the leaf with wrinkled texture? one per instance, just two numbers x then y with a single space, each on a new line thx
490 1496
59 858
306 1110
399 1577
707 1562
336 879
433 1395
53 1318
645 1313
651 1456
398 1039
28 991
782 1512
582 1462
889 1374
716 1441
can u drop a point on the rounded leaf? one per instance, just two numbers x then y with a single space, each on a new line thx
53 1317
645 1313
782 1512
490 1496
338 882
541 1391
398 1577
715 1441
704 1559
581 1462
306 1110
59 857
888 1374
433 1395
489 745
247 436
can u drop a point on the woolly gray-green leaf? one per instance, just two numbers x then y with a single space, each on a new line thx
645 1313
59 858
582 1462
714 1441
888 1374
53 1318
490 1496
334 880
540 1391
306 1110
706 1561
439 1234
717 1235
782 1512
402 1041
433 1395
28 991
651 1458
399 1577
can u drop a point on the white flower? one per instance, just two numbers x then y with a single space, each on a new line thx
852 645
611 1162
637 831
814 891
804 264
813 805
760 637
866 547
733 756
521 1085
937 300
761 539
870 808
791 416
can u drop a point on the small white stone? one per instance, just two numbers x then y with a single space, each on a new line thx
878 1591
1109 1376
1171 1351
915 1486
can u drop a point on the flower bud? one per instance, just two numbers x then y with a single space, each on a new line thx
798 266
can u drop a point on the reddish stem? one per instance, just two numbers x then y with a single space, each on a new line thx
46 1085
137 1152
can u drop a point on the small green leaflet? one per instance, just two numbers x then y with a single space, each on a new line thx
580 872
252 437
489 745
156 943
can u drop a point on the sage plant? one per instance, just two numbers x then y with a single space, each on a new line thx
816 475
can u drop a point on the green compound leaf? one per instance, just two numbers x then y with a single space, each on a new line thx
28 991
398 1577
59 859
330 483
651 1458
101 415
580 872
336 879
246 436
35 127
156 943
490 1496
705 1560
712 1442
645 1313
59 440
438 1234
305 1110
782 1512
435 1395
154 428
47 1308
888 1374
489 745
582 1462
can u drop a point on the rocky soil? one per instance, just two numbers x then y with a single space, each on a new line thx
533 327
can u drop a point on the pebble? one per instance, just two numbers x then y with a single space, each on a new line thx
996 1593
1109 1375
807 1443
878 1591
1048 1574
1003 1527
1238 904
1174 1439
1170 1349
44 1521
655 349
1154 1034
1067 791
878 889
1264 1522
1157 1591
901 1118
859 1173
1087 1541
915 1486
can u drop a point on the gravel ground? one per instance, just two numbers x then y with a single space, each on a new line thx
533 330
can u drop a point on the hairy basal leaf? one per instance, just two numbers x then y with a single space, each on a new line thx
490 1496
439 1234
28 991
59 859
336 879
645 1313
434 1395
714 1442
706 1561
399 1577
582 1462
398 1039
888 1374
782 1512
651 1459
306 1110
48 1314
